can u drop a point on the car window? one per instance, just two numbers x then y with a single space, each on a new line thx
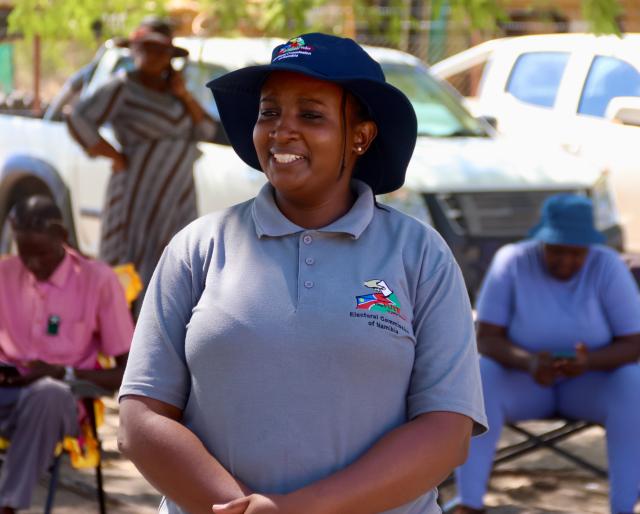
536 77
196 76
439 112
608 77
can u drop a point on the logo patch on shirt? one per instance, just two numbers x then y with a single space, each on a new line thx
383 299
375 307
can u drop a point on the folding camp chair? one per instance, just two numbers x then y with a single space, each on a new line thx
534 442
548 440
88 393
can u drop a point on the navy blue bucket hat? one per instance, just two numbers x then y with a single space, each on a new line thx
341 61
567 219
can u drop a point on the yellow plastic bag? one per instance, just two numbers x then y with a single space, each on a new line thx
130 281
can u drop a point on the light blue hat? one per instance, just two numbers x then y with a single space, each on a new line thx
567 219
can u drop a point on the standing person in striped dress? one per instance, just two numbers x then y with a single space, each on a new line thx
158 123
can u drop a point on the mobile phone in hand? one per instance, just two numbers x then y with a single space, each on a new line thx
8 371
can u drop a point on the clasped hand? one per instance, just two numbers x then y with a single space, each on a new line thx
546 369
260 504
37 370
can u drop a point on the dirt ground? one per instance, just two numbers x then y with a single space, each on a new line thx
539 483
544 483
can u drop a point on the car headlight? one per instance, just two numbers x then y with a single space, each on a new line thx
605 212
408 202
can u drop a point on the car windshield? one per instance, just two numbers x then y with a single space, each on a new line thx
439 112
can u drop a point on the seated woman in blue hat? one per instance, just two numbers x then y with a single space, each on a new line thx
309 350
559 333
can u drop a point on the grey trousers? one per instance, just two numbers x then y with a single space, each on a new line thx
35 418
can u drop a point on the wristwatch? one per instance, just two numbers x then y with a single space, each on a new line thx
69 374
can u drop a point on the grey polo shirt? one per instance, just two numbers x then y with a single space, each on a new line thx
292 351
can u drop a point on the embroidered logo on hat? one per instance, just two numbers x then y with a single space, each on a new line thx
293 48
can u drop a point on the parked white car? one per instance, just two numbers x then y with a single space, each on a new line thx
579 91
480 190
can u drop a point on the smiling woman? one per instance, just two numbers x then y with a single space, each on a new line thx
308 138
293 346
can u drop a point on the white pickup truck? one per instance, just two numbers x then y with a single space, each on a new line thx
479 189
580 92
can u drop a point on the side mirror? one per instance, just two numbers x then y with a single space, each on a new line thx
625 110
490 120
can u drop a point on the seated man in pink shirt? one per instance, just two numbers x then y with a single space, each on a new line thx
58 310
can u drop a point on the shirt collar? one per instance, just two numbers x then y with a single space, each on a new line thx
61 274
269 220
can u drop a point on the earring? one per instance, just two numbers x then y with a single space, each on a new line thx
359 149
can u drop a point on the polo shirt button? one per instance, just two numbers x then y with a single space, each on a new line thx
307 239
308 284
310 260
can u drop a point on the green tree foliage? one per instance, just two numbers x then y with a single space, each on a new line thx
64 19
268 17
482 14
602 15
228 13
287 16
73 19
390 18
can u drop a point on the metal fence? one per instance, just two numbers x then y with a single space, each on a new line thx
432 41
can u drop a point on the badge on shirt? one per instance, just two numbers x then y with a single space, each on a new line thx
53 325
381 308
383 299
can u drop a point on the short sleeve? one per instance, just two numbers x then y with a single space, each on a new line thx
114 318
495 300
92 112
620 297
446 375
157 365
